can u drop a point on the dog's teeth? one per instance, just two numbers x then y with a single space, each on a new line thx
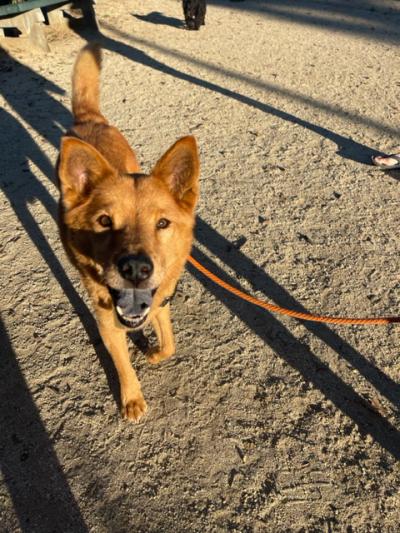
119 310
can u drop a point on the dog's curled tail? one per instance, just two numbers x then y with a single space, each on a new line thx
86 85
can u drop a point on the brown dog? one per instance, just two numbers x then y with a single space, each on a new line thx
127 233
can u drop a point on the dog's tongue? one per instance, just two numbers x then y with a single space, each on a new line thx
134 302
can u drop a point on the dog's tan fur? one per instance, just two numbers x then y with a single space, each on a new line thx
93 165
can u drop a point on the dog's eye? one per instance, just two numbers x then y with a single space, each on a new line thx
105 221
163 223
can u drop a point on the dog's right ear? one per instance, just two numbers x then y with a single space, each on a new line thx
80 167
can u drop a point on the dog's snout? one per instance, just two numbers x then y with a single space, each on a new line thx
135 267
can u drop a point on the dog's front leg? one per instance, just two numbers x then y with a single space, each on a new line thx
133 405
165 336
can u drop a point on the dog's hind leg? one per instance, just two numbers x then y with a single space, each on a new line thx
165 336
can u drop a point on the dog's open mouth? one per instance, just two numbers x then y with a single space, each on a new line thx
133 322
132 305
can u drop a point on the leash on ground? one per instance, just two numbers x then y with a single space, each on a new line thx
282 310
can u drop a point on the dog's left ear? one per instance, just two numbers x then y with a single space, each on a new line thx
179 167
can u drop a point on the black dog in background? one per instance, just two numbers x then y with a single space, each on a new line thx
195 13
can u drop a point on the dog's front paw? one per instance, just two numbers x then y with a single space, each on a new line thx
155 355
133 408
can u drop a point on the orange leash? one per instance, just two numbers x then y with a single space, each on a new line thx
288 312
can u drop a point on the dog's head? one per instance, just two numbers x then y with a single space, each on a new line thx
131 233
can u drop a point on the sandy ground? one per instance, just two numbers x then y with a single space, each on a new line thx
259 423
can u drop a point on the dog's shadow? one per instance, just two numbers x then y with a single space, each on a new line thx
155 17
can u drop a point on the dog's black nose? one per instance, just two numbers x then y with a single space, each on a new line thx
135 267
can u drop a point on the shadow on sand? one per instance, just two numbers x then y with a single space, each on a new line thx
366 18
39 490
155 17
31 470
